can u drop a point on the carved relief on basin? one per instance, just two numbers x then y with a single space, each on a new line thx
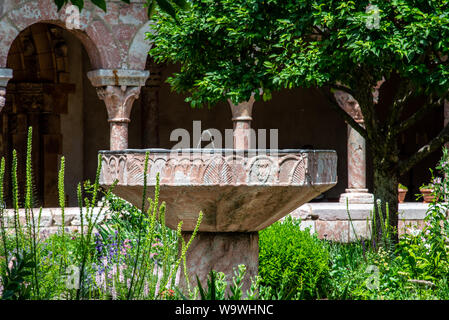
238 191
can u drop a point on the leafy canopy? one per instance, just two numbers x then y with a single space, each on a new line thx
221 46
344 41
231 48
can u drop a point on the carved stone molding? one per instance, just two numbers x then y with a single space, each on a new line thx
5 76
118 89
33 97
238 191
241 118
2 98
119 101
242 111
119 77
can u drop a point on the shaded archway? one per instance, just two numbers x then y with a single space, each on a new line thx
37 96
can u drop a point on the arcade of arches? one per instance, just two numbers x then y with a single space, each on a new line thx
95 88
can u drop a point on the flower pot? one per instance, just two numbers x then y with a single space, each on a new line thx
401 195
427 195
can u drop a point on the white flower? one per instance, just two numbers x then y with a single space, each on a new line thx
414 232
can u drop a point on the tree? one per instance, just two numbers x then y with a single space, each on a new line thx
385 54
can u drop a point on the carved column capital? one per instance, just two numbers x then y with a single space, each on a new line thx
118 89
2 98
119 101
242 111
241 118
5 76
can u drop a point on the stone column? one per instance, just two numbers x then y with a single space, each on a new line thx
241 118
5 76
118 89
222 252
356 191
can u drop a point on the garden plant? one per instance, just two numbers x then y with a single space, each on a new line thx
131 255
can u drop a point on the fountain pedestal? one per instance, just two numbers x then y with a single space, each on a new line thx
239 192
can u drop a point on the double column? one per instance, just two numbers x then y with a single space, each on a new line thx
356 191
118 89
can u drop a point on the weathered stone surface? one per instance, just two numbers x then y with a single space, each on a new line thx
5 75
338 211
359 196
237 192
222 252
108 37
241 118
118 89
359 230
333 230
356 192
119 77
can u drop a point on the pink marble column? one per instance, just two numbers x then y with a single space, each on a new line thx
119 102
241 118
222 252
118 89
5 76
356 191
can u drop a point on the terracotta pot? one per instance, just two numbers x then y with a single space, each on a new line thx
427 195
401 195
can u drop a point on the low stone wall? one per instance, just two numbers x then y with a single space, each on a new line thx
330 220
51 219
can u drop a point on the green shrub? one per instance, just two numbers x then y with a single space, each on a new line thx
292 259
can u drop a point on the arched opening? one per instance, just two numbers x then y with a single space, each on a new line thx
50 92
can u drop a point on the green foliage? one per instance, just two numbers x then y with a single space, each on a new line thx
219 289
424 253
135 256
292 259
14 284
402 187
229 48
222 48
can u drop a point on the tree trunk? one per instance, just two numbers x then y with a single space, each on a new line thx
386 179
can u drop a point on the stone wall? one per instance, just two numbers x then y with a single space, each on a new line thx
51 219
331 220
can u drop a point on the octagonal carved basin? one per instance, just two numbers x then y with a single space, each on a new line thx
238 191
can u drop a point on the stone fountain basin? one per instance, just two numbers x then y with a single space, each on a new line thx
237 191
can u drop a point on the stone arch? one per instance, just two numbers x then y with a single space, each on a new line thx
107 37
138 50
39 53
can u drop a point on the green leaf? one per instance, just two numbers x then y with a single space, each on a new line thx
100 3
60 3
78 3
183 4
151 8
167 7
